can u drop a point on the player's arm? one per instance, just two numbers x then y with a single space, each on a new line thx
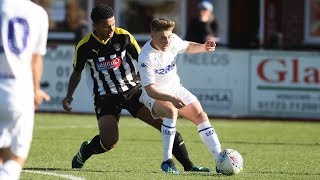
194 47
37 58
75 77
153 92
37 70
134 50
73 84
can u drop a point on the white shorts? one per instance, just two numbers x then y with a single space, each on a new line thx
16 124
186 96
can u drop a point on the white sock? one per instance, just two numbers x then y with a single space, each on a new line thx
10 170
168 132
210 138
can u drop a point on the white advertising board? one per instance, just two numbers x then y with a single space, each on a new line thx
219 80
58 66
284 84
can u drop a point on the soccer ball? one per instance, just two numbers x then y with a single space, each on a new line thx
230 162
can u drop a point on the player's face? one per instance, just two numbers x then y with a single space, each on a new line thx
104 29
161 40
205 15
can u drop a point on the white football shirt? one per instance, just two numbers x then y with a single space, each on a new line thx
159 67
24 31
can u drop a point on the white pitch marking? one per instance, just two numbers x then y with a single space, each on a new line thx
55 174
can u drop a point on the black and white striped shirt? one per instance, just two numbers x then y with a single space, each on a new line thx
109 66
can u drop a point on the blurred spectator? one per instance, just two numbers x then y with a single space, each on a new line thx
204 26
315 18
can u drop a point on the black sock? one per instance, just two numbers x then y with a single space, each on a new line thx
180 152
94 147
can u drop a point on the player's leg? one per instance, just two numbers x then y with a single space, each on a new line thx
105 141
145 115
179 148
168 128
194 112
1 157
16 129
108 116
12 165
207 133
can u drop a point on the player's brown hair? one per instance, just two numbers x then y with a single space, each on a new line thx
162 24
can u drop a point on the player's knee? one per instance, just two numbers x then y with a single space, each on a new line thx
202 115
171 112
165 109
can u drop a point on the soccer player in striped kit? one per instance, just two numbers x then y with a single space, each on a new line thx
23 41
107 55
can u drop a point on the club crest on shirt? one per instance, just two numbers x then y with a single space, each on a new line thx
117 47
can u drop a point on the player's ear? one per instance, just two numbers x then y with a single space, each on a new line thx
94 25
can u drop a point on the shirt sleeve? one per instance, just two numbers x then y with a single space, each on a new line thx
146 70
180 45
79 58
41 43
134 49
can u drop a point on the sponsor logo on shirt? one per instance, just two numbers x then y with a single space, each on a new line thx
106 64
143 65
165 70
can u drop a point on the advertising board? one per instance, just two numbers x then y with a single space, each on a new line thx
285 84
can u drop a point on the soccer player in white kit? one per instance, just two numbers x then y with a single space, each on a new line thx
24 31
163 93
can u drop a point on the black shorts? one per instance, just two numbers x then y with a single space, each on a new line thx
112 104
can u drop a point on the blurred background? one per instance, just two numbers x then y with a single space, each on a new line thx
267 62
286 24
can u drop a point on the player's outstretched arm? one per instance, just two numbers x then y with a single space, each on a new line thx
194 47
73 83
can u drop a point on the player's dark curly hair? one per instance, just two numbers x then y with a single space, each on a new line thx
100 12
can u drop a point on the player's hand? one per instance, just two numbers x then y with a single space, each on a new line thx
39 96
210 45
66 102
178 103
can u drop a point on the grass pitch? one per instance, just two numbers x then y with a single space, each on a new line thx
270 149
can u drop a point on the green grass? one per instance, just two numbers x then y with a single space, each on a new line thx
271 149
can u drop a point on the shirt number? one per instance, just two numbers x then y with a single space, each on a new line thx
18 33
